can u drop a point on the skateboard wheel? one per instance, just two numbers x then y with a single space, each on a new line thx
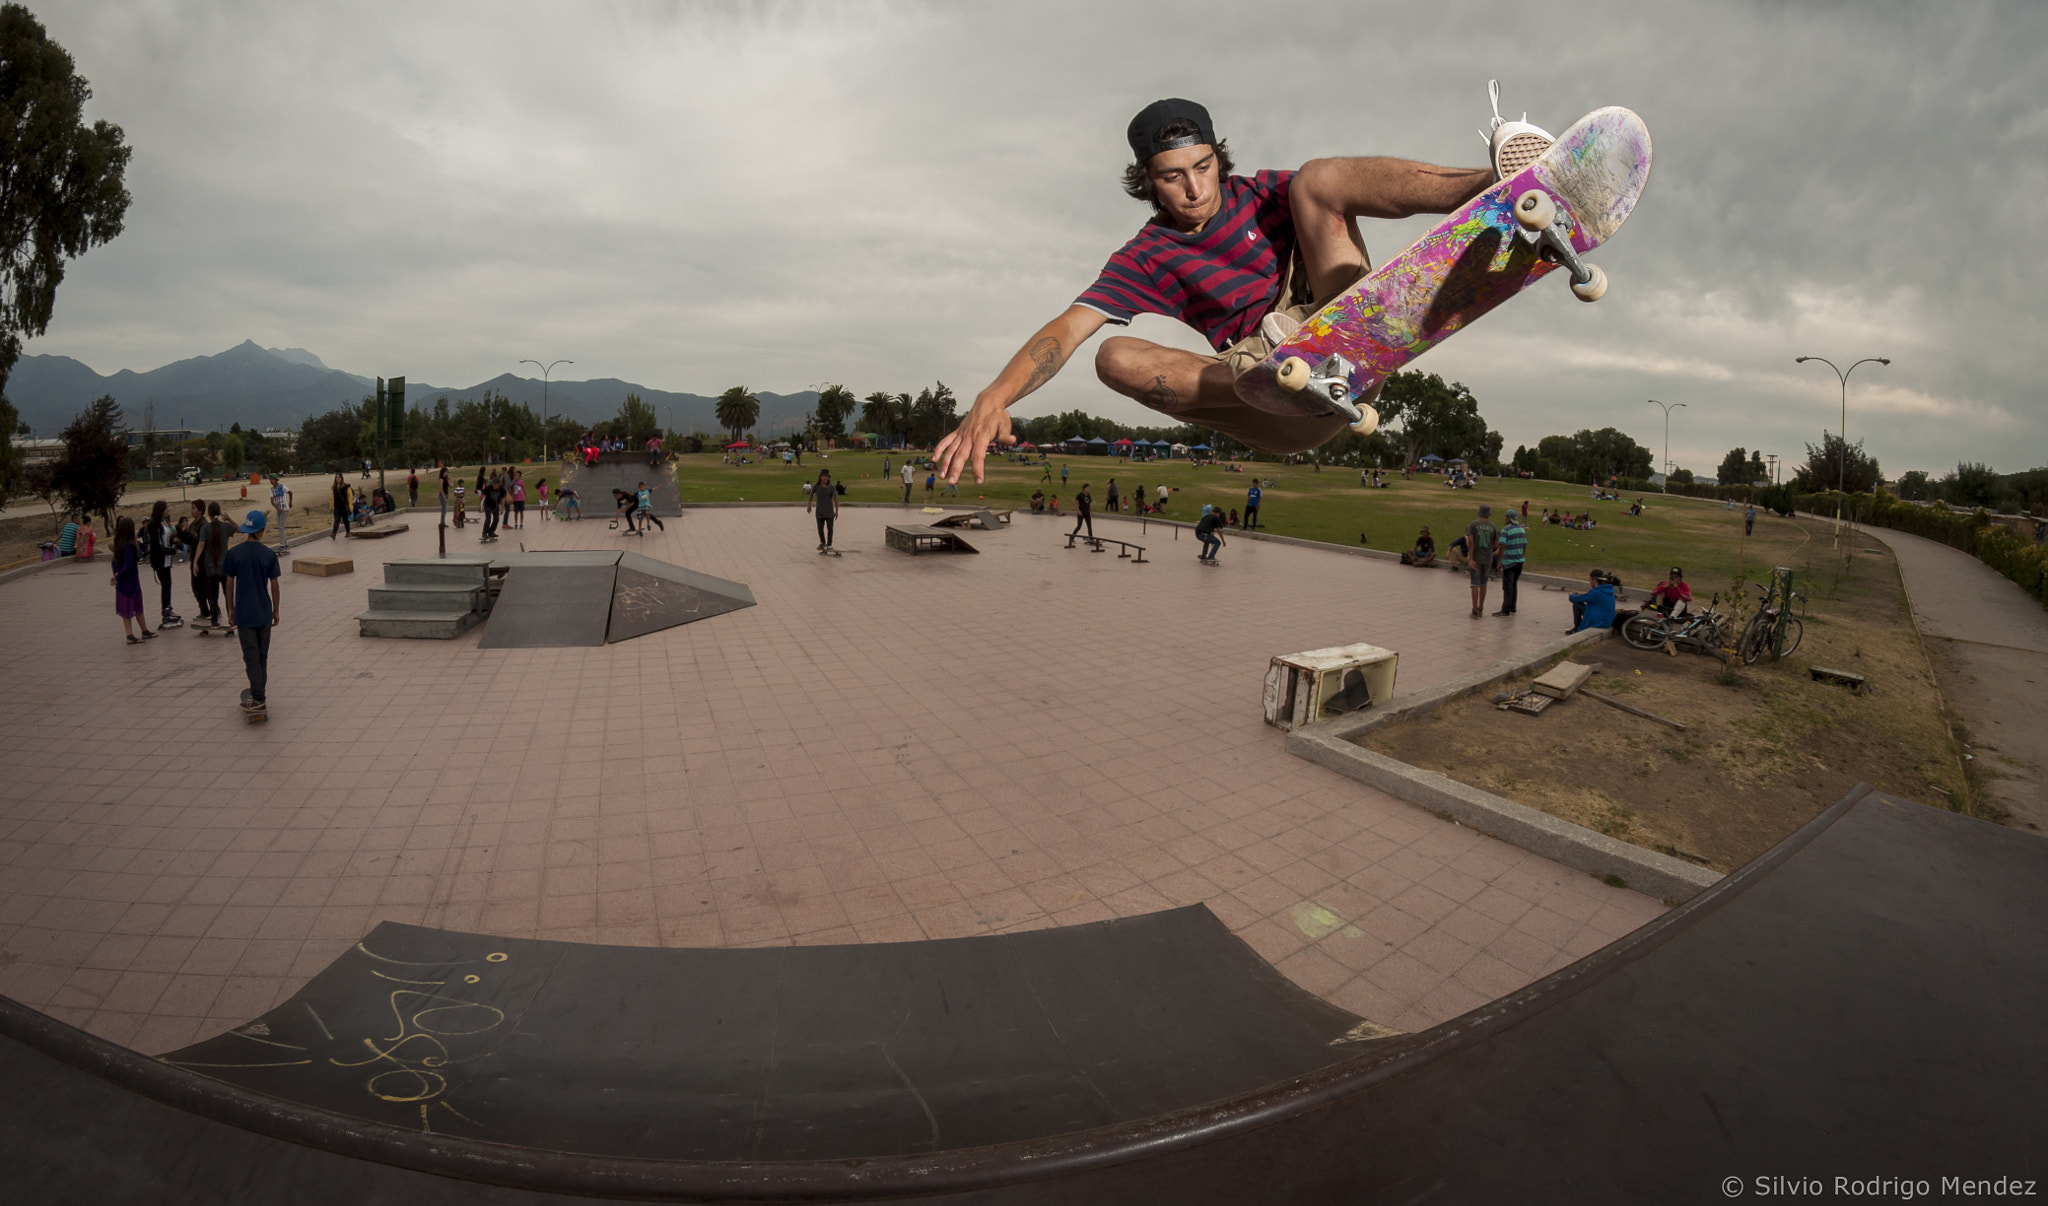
1535 210
1294 373
1593 288
1368 421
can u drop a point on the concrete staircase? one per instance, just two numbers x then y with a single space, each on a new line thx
430 599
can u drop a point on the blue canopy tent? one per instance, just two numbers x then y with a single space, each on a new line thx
1201 448
1097 447
1429 458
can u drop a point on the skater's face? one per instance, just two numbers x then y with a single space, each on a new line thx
1185 182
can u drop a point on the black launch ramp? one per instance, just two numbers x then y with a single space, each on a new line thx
552 600
787 1053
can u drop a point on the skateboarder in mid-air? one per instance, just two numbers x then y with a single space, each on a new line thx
1242 259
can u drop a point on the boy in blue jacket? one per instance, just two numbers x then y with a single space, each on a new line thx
1595 607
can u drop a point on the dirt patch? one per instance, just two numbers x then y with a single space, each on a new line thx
1764 749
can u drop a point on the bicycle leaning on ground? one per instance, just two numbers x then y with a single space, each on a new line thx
1759 635
1702 631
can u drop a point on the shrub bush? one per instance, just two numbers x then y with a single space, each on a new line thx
2020 559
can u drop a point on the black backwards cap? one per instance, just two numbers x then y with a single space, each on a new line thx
1145 127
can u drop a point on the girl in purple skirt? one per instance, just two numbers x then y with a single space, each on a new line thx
127 581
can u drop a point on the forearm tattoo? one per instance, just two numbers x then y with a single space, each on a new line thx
1045 361
1161 395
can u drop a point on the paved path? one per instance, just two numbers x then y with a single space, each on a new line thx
1989 643
886 748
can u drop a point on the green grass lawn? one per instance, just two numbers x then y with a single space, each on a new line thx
1331 506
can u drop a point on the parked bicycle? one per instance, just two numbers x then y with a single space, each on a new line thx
1759 636
1703 631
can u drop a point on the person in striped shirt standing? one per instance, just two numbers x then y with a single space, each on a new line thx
1241 259
1514 549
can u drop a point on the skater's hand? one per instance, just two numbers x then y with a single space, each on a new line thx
968 445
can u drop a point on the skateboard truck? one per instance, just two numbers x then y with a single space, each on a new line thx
1331 381
1537 213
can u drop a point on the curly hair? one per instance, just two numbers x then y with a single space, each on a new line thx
1138 181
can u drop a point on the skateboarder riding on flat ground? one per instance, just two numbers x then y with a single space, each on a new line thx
1242 259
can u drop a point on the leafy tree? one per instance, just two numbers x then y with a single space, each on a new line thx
232 453
1973 485
835 403
931 415
1831 465
637 420
93 472
330 438
1438 418
1683 477
1741 467
2030 490
12 462
738 410
60 180
1915 486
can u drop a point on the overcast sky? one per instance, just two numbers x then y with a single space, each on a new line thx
699 195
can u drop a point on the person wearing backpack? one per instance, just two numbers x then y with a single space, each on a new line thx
1480 537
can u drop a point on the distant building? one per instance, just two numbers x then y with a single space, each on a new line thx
38 452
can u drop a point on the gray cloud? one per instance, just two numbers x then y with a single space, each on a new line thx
784 194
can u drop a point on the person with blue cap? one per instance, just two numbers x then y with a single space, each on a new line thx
255 600
1241 259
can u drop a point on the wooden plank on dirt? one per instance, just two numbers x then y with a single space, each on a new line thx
1633 710
1561 680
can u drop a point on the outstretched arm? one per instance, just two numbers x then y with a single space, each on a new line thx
1034 364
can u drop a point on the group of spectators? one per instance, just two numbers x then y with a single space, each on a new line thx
1483 551
236 586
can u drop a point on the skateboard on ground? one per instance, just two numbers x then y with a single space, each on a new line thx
1565 203
224 630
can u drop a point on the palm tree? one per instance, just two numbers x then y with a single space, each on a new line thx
738 410
902 408
835 402
878 412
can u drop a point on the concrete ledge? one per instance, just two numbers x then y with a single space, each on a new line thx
1333 745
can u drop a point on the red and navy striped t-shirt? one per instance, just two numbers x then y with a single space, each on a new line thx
1221 280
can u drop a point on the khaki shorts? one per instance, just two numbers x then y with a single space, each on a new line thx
1249 425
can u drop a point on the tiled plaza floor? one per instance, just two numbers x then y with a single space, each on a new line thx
885 748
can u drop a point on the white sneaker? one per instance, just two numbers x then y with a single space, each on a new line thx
1513 145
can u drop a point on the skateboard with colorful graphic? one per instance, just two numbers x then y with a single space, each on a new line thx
1562 205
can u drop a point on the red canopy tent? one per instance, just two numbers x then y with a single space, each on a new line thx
737 444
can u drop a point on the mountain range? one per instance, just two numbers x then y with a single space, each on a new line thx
261 387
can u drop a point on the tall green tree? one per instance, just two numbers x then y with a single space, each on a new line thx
329 439
1914 486
60 179
638 421
94 470
13 474
1437 417
1831 463
1741 467
835 403
1973 485
232 453
738 410
932 414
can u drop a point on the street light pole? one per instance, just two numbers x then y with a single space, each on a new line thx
1842 479
1668 408
544 371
